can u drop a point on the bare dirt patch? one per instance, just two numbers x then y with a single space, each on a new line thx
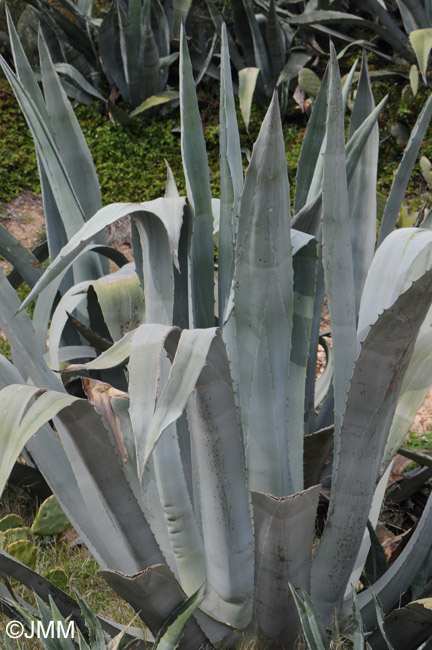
24 218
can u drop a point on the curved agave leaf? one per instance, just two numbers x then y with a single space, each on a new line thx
121 300
263 312
155 100
48 452
67 304
323 17
296 62
402 258
24 419
152 414
18 329
406 627
190 357
76 76
373 392
196 171
168 211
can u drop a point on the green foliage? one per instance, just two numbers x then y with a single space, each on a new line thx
18 168
419 441
116 150
19 540
50 518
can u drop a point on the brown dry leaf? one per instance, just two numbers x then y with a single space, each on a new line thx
299 97
392 544
99 395
400 464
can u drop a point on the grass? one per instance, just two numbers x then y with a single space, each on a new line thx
419 440
76 562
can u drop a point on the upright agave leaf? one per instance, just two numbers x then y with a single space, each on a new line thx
263 310
226 524
70 140
198 188
311 147
69 198
305 278
231 180
337 251
362 187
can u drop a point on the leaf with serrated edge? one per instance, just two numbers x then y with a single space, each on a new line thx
231 172
263 300
196 172
168 211
171 632
225 509
337 254
362 187
374 390
282 557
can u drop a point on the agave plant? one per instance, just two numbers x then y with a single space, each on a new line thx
337 22
268 56
194 454
130 46
134 43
